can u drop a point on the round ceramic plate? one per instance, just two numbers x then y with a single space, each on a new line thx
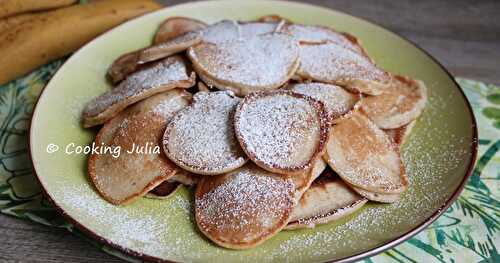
439 153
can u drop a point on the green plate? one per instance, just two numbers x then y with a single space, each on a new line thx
439 154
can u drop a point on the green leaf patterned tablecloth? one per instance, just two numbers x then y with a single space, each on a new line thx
467 232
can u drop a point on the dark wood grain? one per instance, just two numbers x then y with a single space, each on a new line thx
463 35
25 241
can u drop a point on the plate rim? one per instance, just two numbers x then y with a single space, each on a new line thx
371 252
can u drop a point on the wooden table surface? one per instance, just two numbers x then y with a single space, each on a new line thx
463 35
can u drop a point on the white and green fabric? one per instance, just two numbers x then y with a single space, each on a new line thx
467 232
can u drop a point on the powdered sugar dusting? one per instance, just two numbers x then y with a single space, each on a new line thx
279 130
333 63
337 101
261 61
169 71
222 31
245 205
318 34
251 29
126 226
171 104
201 137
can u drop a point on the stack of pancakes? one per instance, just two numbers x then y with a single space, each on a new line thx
279 125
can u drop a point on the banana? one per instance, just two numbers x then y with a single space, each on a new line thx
51 35
14 7
8 22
